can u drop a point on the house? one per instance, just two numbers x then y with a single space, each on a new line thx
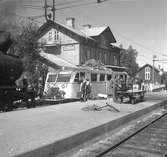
77 46
146 74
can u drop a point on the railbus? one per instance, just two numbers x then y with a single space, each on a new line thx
69 80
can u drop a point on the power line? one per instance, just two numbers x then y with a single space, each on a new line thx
77 5
36 16
32 7
27 18
89 3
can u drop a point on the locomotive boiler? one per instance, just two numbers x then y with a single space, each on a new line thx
11 68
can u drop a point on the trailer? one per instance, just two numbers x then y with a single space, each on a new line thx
133 95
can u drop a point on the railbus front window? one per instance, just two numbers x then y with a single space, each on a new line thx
109 77
102 77
82 74
63 77
93 77
52 78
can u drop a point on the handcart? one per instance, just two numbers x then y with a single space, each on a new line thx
133 95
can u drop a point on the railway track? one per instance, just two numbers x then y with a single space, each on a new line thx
149 141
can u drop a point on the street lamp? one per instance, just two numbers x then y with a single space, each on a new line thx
154 56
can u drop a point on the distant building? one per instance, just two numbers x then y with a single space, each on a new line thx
78 46
146 74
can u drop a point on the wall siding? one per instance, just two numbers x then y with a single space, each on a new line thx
157 77
78 53
105 55
70 55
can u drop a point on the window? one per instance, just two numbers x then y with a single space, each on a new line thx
87 54
82 74
50 36
115 60
102 77
52 78
147 73
76 78
109 77
56 35
105 58
63 77
93 77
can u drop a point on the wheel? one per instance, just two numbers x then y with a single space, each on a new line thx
133 100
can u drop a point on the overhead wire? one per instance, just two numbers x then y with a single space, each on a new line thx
89 3
27 18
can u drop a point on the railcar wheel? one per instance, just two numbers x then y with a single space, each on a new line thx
133 101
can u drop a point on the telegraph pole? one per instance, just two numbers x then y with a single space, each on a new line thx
52 9
154 56
46 8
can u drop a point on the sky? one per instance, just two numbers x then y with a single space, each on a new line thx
140 23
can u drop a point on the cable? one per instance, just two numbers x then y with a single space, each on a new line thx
84 4
36 8
78 5
70 2
36 17
28 18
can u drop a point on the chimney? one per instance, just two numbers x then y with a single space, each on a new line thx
70 21
87 26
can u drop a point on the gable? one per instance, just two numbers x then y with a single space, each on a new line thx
70 32
54 36
109 35
102 34
148 65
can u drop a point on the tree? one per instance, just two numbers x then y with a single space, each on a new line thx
26 47
128 60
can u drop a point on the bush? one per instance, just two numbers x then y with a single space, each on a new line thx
55 93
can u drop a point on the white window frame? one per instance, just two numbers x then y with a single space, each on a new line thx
50 36
147 73
57 35
115 60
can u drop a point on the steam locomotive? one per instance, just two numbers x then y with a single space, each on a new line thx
11 68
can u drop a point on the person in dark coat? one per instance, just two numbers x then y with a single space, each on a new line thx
88 89
83 89
114 87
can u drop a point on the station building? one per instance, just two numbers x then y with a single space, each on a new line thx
146 74
66 43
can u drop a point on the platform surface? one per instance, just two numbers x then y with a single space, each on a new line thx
25 130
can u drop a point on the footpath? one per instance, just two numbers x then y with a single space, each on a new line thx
51 130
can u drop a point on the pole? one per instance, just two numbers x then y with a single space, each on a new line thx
46 6
154 56
53 9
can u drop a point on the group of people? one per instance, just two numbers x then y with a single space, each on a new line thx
114 85
85 89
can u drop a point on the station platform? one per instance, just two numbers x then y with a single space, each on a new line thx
51 130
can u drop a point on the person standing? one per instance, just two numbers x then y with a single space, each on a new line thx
113 86
83 89
88 89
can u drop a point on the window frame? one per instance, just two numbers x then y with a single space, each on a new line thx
102 79
94 74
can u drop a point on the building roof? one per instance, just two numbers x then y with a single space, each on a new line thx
149 66
55 61
50 24
84 33
96 31
93 31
